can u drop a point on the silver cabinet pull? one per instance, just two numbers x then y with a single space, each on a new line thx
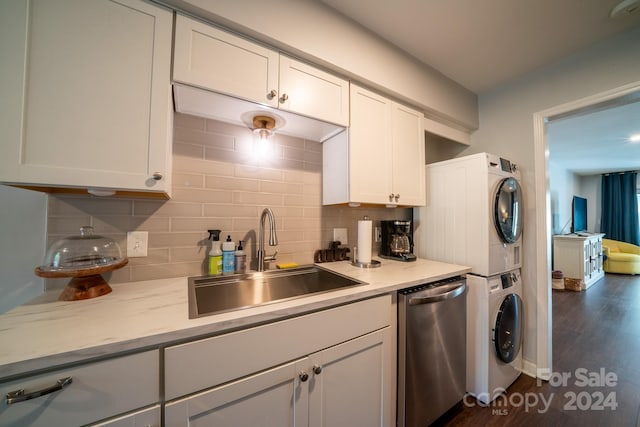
391 197
317 369
397 196
157 176
20 395
272 94
303 376
284 98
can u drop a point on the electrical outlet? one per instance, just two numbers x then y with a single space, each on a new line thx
340 235
378 234
137 243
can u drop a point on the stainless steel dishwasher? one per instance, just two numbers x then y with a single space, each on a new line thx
431 350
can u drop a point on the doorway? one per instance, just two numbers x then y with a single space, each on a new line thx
544 225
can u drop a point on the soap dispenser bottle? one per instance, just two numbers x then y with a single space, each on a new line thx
215 255
241 259
228 258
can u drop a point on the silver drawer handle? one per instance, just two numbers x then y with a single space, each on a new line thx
20 396
157 176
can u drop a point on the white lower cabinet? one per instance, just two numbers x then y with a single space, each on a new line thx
330 368
344 385
350 383
150 417
91 392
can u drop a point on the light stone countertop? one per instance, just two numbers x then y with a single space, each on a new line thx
137 315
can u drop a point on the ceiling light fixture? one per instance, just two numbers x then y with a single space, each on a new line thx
624 8
635 137
263 126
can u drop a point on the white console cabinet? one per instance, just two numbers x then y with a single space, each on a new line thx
579 257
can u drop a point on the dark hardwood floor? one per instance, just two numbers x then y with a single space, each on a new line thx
593 330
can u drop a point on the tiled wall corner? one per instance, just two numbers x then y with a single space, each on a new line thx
218 184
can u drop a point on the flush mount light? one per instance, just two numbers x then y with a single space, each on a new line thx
263 126
624 8
635 138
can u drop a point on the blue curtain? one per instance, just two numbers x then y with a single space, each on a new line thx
619 220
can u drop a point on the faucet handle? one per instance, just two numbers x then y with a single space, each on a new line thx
271 257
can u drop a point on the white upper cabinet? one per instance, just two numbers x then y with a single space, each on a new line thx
210 58
213 59
408 156
86 94
380 160
312 92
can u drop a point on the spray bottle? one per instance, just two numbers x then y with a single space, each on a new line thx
215 255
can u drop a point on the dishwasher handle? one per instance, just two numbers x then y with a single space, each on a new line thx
455 292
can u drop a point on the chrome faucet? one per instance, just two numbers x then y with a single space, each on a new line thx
273 239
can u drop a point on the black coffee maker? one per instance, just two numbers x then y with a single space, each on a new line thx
397 240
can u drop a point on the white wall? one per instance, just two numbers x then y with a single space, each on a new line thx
506 128
23 217
563 185
591 189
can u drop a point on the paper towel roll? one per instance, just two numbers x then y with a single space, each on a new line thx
364 241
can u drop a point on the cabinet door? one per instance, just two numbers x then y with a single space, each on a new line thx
311 92
88 94
273 398
213 59
370 151
408 156
352 387
147 417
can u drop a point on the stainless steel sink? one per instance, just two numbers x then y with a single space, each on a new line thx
217 294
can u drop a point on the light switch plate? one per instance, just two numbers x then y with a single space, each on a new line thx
137 243
340 235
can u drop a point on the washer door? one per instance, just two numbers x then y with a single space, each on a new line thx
508 330
507 216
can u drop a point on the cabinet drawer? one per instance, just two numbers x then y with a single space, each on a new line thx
97 391
206 363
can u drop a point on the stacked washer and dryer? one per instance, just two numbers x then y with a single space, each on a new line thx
474 217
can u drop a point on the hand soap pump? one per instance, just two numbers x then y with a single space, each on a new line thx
215 255
228 258
241 259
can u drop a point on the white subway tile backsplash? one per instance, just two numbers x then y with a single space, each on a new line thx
229 183
179 225
159 208
188 150
202 195
187 121
188 180
217 184
263 199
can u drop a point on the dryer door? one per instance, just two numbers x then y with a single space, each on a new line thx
508 330
507 212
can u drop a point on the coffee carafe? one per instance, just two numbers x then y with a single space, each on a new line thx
397 240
